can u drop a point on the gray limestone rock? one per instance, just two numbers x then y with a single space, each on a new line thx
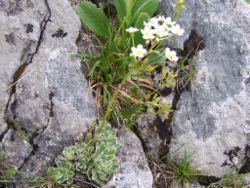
147 129
15 43
50 102
134 171
212 119
44 93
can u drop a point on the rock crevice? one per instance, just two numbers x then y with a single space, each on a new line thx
10 106
42 74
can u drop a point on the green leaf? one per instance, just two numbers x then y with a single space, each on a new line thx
129 6
94 18
93 68
120 6
69 152
141 19
144 6
130 111
9 172
19 130
157 58
139 24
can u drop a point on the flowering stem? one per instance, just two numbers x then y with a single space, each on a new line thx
133 40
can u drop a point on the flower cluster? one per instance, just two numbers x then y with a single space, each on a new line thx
156 29
160 27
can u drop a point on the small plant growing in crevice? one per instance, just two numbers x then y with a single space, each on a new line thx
95 156
130 50
175 173
6 170
179 7
233 180
183 172
186 73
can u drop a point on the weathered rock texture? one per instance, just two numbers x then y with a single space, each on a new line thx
212 119
50 102
45 101
147 129
155 134
134 171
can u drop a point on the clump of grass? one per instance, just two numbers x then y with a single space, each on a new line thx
168 172
183 172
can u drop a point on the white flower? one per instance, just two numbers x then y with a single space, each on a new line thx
171 55
168 21
147 24
132 30
148 33
161 20
153 22
177 30
138 51
160 31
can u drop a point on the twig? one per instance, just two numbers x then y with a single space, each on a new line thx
88 183
159 168
19 80
126 95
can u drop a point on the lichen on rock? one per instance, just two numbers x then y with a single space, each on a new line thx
211 117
